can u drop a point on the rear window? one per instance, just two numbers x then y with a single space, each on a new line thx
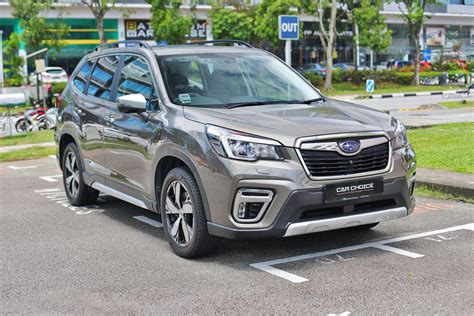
54 71
101 79
80 79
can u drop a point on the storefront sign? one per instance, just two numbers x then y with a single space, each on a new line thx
198 31
138 30
435 36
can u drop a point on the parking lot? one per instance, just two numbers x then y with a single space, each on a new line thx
113 258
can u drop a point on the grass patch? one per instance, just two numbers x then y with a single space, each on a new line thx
28 153
425 191
36 137
13 109
448 146
458 104
345 88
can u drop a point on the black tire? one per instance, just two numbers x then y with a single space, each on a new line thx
201 243
81 194
364 227
21 126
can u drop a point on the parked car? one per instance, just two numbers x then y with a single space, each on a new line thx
343 66
52 74
227 142
397 64
317 69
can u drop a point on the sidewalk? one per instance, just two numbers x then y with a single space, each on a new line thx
447 181
7 149
351 97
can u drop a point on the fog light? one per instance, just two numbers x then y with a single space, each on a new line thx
242 207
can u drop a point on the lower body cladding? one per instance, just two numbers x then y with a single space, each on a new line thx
309 211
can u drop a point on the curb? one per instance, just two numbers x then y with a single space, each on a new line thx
414 94
7 149
446 188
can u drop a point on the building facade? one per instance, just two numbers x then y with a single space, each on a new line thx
449 31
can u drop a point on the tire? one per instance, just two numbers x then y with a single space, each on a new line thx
21 126
77 192
183 215
364 227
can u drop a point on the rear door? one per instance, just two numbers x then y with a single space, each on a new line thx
93 111
129 137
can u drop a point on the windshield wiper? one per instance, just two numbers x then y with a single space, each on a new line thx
240 104
313 100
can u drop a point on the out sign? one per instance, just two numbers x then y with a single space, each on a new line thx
288 27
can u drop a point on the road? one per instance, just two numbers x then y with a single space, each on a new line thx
113 258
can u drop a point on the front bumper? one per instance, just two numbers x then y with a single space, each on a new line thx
304 211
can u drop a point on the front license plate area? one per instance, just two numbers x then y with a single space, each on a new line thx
346 191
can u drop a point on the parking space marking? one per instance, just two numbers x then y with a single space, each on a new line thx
51 178
267 266
148 221
432 207
59 196
21 168
399 251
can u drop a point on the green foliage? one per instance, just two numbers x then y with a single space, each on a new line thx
266 22
58 87
373 31
470 66
316 80
232 24
168 23
99 9
13 61
37 32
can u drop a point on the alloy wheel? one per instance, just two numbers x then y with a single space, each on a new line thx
72 174
179 213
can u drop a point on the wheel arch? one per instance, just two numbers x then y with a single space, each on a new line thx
169 160
64 140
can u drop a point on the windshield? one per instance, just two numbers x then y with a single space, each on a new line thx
222 80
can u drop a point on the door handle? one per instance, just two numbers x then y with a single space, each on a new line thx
109 119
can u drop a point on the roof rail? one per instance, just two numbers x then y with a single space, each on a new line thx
116 44
224 41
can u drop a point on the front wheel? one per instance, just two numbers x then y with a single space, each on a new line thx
183 215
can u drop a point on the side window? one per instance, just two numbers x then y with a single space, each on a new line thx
80 79
136 77
102 77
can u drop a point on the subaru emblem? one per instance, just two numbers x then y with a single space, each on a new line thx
349 146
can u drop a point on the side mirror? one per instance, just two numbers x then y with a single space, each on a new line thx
132 103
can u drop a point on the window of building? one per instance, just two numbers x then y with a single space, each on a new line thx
136 78
101 80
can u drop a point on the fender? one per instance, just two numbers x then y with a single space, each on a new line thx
174 151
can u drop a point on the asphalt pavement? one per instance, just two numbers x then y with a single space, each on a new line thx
112 257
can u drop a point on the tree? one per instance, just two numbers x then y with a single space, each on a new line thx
266 18
228 23
413 12
37 31
328 35
12 60
373 31
168 23
99 9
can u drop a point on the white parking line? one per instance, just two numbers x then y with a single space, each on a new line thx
149 221
20 168
267 266
51 178
399 251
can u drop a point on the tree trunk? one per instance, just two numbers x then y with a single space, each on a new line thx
355 44
100 29
329 62
416 79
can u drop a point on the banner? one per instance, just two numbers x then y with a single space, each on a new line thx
435 36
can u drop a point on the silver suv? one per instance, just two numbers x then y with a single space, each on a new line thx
227 141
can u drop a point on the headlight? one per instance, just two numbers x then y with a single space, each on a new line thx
400 139
236 145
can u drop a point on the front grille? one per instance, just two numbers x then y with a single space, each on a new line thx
330 163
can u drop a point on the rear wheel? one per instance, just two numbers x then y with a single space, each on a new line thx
183 215
77 192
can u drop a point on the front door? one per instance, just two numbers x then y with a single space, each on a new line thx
129 137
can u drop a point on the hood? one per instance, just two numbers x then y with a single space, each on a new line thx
287 122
